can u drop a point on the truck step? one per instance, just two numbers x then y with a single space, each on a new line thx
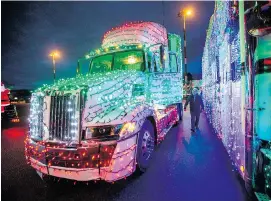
262 197
164 132
267 153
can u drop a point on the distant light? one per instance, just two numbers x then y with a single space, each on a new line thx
188 12
55 54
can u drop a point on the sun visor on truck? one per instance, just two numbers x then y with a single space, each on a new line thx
148 33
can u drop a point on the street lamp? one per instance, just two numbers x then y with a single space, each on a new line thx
183 13
54 54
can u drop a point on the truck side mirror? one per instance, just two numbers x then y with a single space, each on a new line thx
259 20
78 69
162 54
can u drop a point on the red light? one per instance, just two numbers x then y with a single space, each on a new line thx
267 62
12 133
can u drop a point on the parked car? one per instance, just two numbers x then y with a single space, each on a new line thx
20 96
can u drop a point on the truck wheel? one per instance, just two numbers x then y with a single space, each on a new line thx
145 146
259 172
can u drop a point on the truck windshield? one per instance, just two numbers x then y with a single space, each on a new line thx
126 60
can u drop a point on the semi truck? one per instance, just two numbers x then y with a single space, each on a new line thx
105 124
236 67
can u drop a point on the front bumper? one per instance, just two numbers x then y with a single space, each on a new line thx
84 174
109 161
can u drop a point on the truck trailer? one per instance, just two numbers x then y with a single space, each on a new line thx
105 124
236 67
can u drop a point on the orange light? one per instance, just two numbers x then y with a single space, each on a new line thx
188 12
55 54
242 168
15 120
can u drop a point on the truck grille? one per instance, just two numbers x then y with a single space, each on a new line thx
64 117
36 117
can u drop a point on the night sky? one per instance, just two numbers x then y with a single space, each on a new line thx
31 29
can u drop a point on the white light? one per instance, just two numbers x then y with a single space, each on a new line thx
131 60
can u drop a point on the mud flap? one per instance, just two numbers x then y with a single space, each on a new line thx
40 174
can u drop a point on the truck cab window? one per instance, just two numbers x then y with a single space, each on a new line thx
157 66
101 64
173 65
154 64
129 60
126 60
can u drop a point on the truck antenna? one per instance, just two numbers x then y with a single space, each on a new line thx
163 10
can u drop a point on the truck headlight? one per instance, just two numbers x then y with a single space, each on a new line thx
110 131
127 128
102 131
89 133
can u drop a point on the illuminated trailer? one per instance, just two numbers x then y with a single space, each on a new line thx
104 124
236 68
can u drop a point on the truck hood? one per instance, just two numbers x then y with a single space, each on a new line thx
90 81
110 98
113 98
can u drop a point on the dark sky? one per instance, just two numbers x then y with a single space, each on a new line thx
31 29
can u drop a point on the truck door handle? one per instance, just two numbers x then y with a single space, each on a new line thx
249 108
255 109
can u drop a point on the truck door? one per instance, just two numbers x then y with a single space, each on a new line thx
165 84
263 99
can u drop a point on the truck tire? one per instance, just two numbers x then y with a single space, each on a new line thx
145 146
258 177
259 172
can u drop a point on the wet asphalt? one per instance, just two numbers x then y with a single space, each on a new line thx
185 167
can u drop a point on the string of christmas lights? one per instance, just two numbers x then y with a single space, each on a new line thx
140 32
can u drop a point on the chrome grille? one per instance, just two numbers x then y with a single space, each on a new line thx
36 117
64 117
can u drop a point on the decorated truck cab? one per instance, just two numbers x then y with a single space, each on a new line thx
104 124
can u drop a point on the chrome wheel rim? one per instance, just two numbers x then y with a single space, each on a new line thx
147 145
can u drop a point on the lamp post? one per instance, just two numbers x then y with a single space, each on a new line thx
183 14
54 55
